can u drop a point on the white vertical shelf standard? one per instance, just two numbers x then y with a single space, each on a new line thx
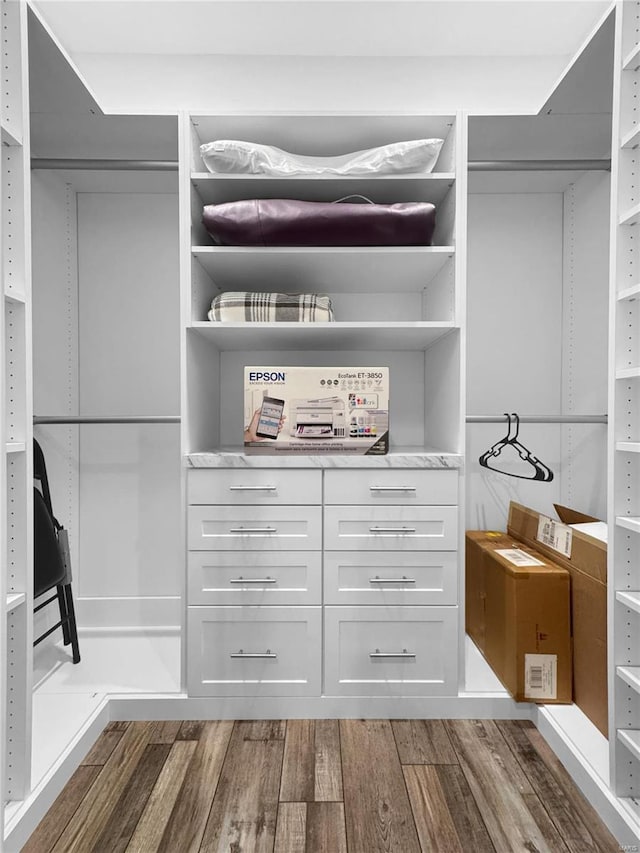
624 411
16 584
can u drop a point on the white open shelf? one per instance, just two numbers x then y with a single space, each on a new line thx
10 136
629 599
628 446
631 739
631 139
14 599
385 189
359 269
629 293
631 216
14 296
15 446
630 675
632 60
628 373
322 336
629 522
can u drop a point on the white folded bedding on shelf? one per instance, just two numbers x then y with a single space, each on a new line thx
234 156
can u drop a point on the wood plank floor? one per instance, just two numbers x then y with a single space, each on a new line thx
321 786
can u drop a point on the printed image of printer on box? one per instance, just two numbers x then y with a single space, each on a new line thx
348 413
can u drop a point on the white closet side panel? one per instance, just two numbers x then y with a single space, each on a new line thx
514 344
130 547
583 484
55 362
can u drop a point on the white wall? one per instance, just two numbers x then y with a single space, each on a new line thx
130 540
514 343
584 363
55 363
106 342
537 343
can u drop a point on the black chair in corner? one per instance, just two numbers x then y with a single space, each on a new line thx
49 568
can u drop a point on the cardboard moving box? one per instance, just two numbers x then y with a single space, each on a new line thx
585 557
518 614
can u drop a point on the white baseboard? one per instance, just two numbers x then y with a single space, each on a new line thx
21 822
182 707
129 611
620 821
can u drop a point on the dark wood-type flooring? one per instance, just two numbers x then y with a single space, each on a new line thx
321 786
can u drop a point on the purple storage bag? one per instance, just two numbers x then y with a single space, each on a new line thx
289 222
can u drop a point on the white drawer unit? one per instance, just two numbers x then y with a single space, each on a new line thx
255 577
254 486
399 486
390 528
265 528
428 577
254 651
394 651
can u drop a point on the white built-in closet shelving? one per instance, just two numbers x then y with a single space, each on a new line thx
624 413
16 586
400 307
395 305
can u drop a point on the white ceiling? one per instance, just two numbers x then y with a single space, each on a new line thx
418 28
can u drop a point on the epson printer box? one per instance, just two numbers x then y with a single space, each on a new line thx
316 410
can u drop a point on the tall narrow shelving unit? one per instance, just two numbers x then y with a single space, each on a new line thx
624 415
17 519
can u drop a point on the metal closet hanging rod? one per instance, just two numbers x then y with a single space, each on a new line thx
540 419
172 165
104 419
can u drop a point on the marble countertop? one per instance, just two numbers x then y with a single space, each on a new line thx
400 458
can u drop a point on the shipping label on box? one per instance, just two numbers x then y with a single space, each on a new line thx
541 677
518 557
555 534
289 410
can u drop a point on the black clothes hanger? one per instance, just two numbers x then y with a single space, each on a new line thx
541 472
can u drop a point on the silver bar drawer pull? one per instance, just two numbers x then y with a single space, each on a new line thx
392 530
403 654
252 488
252 580
242 654
253 530
392 488
403 579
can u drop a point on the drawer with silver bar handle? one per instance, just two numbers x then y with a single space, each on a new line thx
253 486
